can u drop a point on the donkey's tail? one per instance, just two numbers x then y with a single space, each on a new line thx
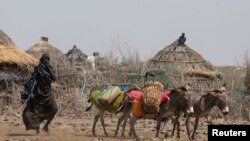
87 109
120 108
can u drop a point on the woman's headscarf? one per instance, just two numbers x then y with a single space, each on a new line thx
44 56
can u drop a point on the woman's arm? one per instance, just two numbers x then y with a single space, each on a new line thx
52 73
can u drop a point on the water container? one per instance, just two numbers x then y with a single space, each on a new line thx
137 109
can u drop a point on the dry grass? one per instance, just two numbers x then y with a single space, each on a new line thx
247 79
246 110
237 82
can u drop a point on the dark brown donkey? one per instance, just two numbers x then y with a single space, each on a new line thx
178 98
180 102
203 106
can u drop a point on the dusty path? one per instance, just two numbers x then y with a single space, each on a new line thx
79 129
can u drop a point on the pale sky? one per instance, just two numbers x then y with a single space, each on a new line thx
217 29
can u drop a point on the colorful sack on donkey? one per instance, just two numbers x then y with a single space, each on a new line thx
134 94
109 95
151 96
165 96
112 107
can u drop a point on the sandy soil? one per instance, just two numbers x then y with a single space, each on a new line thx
78 128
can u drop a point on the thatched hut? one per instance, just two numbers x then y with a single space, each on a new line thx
13 59
76 56
43 46
184 65
15 65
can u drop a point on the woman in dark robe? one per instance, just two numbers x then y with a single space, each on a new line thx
42 106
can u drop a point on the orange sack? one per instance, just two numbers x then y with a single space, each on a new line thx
137 109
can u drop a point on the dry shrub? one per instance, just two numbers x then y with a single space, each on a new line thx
246 109
238 80
247 79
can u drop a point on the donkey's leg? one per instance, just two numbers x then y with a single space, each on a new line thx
132 126
174 121
158 125
168 113
209 119
187 123
165 111
97 116
177 123
127 110
195 125
122 118
38 130
103 125
174 126
124 126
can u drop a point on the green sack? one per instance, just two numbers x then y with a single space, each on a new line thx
112 107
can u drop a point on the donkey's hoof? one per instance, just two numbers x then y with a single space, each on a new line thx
37 132
46 130
106 134
172 135
166 135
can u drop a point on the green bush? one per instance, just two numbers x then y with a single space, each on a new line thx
161 75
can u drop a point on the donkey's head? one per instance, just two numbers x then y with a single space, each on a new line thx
182 99
218 98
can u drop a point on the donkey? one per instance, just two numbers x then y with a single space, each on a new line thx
203 106
206 102
100 114
166 109
180 102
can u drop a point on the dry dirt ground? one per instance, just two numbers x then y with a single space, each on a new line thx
78 128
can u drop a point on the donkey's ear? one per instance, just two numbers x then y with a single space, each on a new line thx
224 84
188 87
183 88
137 87
223 88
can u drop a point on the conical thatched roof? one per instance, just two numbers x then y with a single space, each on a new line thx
186 59
185 63
75 55
13 59
43 46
